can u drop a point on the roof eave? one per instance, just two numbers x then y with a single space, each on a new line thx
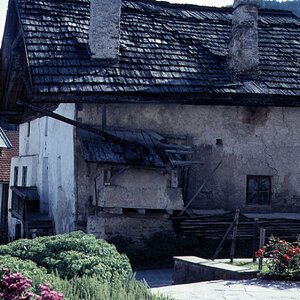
229 98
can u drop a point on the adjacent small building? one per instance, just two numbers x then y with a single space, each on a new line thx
9 147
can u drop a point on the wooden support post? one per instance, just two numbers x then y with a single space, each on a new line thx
232 250
261 246
255 240
200 189
223 240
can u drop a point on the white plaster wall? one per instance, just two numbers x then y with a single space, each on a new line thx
51 142
256 141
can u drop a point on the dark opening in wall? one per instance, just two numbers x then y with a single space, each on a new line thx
18 231
219 142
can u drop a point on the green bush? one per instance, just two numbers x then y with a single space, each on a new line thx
28 268
88 288
78 288
74 254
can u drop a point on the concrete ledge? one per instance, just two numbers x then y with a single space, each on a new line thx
189 269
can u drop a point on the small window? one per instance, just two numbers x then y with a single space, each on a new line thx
28 129
46 126
258 190
16 174
24 176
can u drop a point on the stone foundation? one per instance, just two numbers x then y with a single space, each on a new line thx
132 226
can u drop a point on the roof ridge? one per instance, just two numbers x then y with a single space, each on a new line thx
165 3
183 5
279 12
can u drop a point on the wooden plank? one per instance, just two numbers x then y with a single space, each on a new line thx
186 162
232 250
179 151
254 246
16 215
261 246
173 146
223 240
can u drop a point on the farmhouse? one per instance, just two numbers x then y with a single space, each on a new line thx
126 106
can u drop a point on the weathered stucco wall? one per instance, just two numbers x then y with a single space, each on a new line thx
255 141
50 142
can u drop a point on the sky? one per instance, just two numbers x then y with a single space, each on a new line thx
3 8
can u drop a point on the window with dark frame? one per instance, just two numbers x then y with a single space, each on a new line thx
24 176
28 129
16 174
258 190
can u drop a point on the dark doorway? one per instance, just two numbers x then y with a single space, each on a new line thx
18 232
4 213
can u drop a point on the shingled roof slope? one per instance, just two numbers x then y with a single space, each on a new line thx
164 48
7 154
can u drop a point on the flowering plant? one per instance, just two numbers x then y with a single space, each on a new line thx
284 258
13 287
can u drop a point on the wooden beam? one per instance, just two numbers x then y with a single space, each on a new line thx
182 98
232 250
186 163
78 124
201 187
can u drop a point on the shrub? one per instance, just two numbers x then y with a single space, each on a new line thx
79 288
17 265
88 288
74 254
284 259
14 286
29 269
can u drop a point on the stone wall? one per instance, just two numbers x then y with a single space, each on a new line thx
134 227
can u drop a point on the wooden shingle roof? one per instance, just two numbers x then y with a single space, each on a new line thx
164 48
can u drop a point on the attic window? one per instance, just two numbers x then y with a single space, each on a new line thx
258 190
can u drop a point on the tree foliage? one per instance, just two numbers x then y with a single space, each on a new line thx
291 5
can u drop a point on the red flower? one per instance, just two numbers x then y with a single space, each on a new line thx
292 251
286 257
259 253
282 265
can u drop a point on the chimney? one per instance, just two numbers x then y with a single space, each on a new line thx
244 56
104 31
